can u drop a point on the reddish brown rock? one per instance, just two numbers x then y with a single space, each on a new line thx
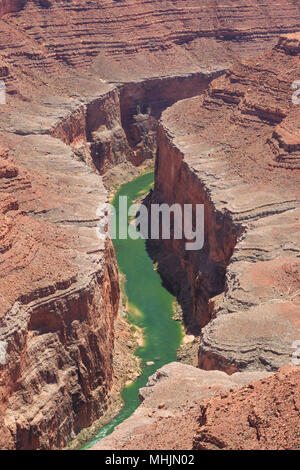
121 33
59 297
235 150
168 415
261 416
61 125
213 411
115 41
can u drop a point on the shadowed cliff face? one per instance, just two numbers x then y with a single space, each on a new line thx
68 118
236 150
193 276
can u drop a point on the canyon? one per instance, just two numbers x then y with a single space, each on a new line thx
86 84
229 149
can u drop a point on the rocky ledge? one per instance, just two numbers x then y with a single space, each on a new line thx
236 151
213 411
170 400
60 293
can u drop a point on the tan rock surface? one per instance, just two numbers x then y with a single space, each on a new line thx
222 150
261 416
167 417
62 123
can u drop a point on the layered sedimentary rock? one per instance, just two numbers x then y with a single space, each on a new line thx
59 291
236 151
168 415
261 416
59 282
139 38
213 411
62 126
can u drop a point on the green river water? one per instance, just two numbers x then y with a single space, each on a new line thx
151 308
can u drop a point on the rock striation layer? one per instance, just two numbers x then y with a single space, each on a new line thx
261 416
85 84
59 291
41 40
235 151
213 411
59 282
167 417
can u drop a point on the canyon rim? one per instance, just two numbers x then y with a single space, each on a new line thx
94 94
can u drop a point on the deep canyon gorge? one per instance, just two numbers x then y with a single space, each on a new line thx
94 91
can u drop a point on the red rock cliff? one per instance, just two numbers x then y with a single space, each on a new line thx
59 290
61 123
236 151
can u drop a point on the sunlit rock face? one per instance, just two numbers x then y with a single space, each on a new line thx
68 118
235 149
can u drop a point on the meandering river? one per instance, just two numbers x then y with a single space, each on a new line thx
151 307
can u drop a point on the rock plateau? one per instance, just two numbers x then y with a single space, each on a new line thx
234 149
85 85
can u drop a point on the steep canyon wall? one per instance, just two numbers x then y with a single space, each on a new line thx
79 80
59 290
236 150
56 377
